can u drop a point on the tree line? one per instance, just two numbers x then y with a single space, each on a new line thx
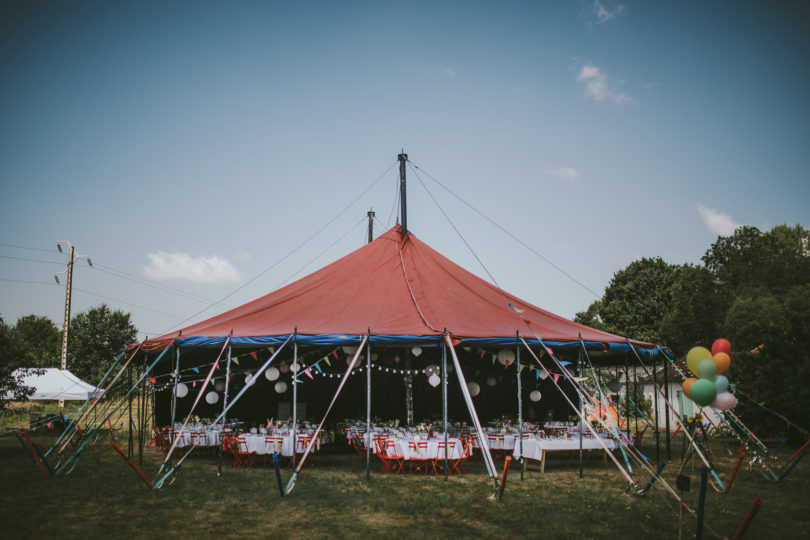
752 288
95 337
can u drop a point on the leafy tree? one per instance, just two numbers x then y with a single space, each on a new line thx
635 301
41 341
96 337
11 358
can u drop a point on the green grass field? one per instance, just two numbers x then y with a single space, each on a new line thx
104 497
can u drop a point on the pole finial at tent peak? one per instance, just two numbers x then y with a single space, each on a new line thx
403 157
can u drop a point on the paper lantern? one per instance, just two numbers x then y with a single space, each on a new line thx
396 359
295 367
416 350
535 395
614 386
219 386
181 391
211 397
284 367
434 380
491 381
271 374
350 349
506 357
281 387
374 357
474 388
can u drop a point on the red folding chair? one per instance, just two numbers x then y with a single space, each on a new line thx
243 455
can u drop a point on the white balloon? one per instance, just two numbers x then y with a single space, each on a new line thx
474 388
219 386
211 397
281 387
434 380
416 350
535 395
271 374
725 401
182 390
491 381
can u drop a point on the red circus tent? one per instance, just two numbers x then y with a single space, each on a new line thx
398 291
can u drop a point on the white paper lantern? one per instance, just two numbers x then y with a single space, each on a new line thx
219 386
181 391
491 381
281 387
295 367
211 397
374 357
350 349
434 380
535 395
272 374
506 357
416 350
396 359
614 386
474 388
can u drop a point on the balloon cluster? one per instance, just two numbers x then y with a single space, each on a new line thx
710 387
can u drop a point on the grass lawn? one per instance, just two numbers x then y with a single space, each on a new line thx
103 497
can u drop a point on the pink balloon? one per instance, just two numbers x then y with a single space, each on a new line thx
724 401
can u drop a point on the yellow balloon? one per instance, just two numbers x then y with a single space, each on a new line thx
695 356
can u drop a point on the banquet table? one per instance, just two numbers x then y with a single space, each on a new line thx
537 448
257 443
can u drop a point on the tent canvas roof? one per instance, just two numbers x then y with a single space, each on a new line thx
398 290
57 383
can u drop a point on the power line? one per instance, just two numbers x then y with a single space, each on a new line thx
515 238
290 253
26 247
60 263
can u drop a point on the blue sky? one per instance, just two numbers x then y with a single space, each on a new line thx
195 145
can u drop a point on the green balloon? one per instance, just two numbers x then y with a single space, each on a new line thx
703 392
695 356
707 369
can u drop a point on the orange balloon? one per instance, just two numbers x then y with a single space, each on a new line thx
723 361
687 386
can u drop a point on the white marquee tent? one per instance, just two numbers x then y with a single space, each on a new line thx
57 383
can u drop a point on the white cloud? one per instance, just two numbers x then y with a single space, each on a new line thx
568 174
717 222
604 14
183 266
598 87
449 73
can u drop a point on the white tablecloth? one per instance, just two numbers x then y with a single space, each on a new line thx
210 438
455 449
533 448
257 443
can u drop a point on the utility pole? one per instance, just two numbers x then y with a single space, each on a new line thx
370 215
402 192
68 288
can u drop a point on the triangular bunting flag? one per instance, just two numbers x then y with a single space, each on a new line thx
235 360
271 349
195 369
299 381
565 363
254 355
326 359
537 374
152 380
307 373
556 378
318 367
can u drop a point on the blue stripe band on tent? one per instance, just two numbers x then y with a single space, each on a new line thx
393 340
